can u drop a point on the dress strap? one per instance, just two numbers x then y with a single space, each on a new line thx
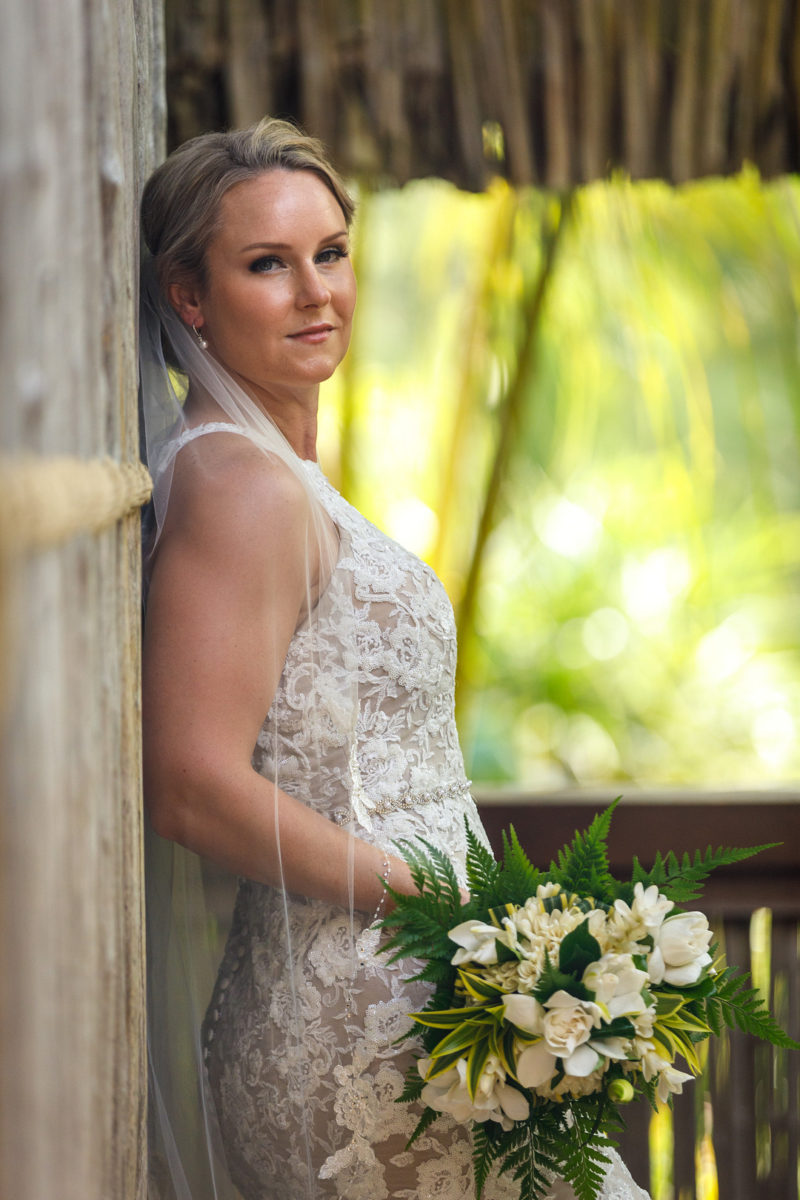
197 431
170 449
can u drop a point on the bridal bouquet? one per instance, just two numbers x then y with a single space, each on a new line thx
559 995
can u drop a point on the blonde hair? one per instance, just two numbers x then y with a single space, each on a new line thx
181 199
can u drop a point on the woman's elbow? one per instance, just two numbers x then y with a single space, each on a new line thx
172 798
165 810
189 800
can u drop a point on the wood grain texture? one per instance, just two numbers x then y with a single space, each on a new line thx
81 104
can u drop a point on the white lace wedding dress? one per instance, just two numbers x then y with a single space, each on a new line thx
311 1113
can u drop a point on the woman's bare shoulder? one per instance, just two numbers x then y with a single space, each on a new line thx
225 485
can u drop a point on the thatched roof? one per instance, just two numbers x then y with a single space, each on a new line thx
553 92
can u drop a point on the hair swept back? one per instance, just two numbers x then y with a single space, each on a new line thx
181 199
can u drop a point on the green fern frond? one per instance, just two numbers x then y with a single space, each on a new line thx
482 870
743 1007
649 1089
582 866
418 926
583 1159
418 914
435 971
680 879
485 1151
428 1117
412 1086
423 870
518 879
528 1154
713 1012
446 884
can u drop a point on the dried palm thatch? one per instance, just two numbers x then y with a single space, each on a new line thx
553 92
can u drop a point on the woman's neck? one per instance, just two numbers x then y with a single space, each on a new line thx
294 414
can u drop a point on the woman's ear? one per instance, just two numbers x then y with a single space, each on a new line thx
185 299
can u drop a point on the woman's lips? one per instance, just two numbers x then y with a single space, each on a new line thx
312 334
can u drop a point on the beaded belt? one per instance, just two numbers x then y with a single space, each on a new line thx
407 800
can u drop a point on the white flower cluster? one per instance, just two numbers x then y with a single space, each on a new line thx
560 1049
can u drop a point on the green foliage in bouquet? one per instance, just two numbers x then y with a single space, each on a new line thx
649 993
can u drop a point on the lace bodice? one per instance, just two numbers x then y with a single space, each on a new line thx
301 1034
406 744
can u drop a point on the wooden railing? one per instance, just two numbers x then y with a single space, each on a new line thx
735 1133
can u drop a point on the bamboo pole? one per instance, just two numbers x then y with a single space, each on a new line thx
466 399
509 417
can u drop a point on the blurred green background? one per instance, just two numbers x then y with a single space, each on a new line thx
584 411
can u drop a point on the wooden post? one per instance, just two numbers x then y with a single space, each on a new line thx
81 105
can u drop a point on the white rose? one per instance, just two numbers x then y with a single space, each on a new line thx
681 950
568 1022
477 941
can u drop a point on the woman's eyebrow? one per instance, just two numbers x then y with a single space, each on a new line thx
331 237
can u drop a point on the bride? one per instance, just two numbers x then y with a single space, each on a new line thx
298 707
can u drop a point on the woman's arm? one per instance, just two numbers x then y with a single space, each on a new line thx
226 592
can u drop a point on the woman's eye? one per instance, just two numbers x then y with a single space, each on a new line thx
263 265
332 254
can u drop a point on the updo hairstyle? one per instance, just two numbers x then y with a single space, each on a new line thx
181 199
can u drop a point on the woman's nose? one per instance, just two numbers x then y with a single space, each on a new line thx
312 290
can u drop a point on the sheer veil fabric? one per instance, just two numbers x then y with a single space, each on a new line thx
186 1155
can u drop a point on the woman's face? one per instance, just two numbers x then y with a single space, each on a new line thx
278 305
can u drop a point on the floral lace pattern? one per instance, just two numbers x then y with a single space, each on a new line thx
301 1034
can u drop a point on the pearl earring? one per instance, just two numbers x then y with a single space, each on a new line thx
198 333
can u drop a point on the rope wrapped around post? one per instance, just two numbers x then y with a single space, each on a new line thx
47 501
